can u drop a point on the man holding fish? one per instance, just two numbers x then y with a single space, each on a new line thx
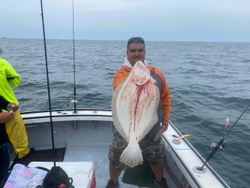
141 97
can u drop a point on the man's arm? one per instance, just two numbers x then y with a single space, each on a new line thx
166 102
6 116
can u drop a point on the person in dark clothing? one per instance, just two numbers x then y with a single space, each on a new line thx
4 152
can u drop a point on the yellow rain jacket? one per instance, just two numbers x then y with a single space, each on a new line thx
15 128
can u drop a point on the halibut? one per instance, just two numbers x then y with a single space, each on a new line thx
134 108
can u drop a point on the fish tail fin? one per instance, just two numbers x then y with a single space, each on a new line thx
132 155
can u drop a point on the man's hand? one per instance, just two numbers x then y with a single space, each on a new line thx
12 107
164 127
6 116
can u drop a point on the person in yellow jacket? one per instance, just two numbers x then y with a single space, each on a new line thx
15 128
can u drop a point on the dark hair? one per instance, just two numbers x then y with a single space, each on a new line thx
135 40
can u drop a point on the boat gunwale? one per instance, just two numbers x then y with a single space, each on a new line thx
210 168
68 110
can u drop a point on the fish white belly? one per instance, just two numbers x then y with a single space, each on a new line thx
134 108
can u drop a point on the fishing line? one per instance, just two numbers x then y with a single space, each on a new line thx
230 130
220 144
48 83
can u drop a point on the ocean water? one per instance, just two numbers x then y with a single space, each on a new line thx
209 82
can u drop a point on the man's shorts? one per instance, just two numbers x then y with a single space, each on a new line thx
153 149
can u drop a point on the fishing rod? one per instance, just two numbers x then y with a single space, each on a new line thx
73 48
48 83
220 144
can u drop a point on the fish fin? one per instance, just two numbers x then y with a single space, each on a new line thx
132 155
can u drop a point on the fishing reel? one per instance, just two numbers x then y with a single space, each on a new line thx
72 101
214 145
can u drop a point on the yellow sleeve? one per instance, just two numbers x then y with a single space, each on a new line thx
12 76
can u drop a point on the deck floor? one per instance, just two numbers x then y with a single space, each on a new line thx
95 153
41 155
99 155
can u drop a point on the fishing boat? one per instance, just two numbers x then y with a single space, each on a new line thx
82 139
78 140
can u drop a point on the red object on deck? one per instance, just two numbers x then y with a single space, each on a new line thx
62 186
93 180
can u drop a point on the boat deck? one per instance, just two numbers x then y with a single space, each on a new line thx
97 154
87 134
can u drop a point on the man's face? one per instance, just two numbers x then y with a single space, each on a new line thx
136 52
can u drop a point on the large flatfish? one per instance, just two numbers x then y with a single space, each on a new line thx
134 109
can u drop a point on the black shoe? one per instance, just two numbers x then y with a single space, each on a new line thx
111 184
161 184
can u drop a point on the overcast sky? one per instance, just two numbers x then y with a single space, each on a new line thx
167 20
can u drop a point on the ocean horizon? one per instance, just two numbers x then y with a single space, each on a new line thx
125 40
